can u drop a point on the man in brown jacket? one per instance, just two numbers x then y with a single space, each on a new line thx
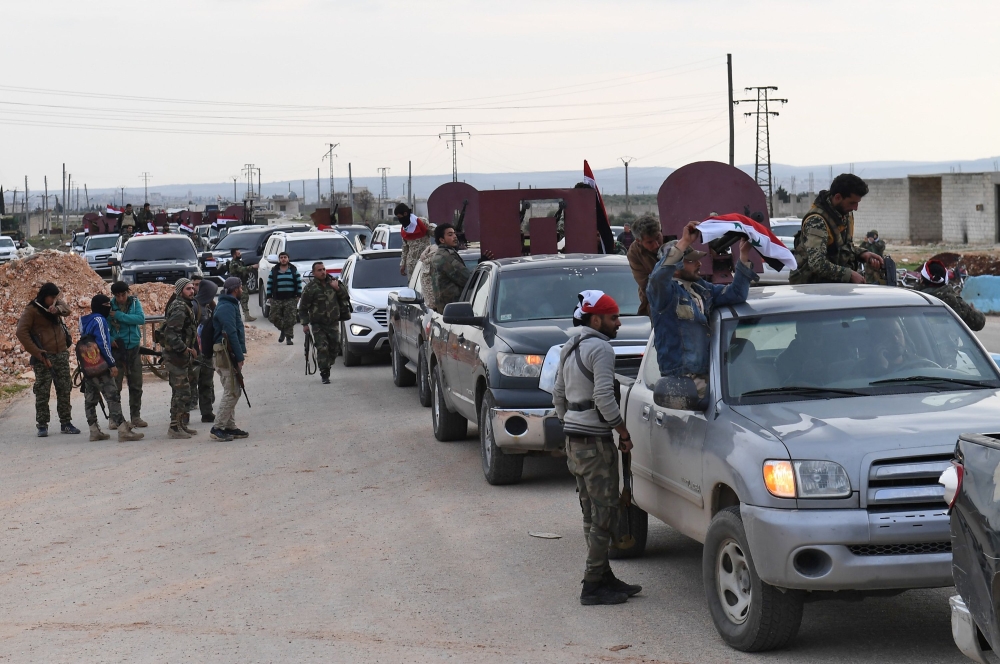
44 335
642 255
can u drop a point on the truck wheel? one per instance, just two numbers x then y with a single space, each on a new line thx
640 529
401 376
423 378
447 425
749 614
260 298
350 359
499 468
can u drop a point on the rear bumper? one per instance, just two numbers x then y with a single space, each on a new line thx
809 549
964 630
527 429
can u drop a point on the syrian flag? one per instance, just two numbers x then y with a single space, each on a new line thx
112 211
761 238
187 228
223 221
588 177
151 227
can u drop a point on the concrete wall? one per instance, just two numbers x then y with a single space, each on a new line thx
925 209
885 208
961 195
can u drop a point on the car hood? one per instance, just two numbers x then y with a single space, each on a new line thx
846 430
155 265
333 265
377 297
537 336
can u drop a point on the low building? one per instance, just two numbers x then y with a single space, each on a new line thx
286 205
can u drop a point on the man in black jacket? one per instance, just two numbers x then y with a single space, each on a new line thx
206 339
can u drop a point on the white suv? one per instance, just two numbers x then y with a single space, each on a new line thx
304 249
8 249
386 236
370 277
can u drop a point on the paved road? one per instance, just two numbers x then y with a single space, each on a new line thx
342 531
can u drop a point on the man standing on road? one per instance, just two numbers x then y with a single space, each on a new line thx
237 269
934 281
228 327
284 287
681 305
325 302
642 255
125 319
824 248
416 237
206 352
95 345
584 399
43 334
180 350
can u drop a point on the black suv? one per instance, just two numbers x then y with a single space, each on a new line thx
250 240
155 258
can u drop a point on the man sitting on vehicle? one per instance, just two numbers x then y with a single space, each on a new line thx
414 232
642 255
934 281
448 271
681 305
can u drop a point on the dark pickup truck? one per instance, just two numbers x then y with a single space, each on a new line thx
488 351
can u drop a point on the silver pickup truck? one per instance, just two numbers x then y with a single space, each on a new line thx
812 470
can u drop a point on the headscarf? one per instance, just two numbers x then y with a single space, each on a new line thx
935 272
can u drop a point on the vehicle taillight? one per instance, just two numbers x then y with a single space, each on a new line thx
951 479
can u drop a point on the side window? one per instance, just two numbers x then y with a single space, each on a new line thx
650 367
470 287
269 248
416 283
481 295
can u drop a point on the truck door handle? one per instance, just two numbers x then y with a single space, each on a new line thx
645 413
659 418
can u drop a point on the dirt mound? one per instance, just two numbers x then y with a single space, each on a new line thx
19 284
950 259
978 264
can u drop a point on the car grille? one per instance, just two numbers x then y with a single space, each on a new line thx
100 259
381 317
907 483
165 277
908 549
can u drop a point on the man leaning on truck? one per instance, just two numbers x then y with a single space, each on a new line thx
584 399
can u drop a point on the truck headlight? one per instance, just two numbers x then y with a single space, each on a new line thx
362 308
821 479
128 278
519 366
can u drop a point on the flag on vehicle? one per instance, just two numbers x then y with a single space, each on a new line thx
603 225
223 221
187 228
112 211
761 238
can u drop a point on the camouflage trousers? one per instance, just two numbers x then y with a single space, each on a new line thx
129 363
97 387
327 342
245 301
206 386
194 377
594 463
413 251
44 378
179 377
284 316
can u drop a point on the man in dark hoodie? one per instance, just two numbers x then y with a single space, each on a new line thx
206 339
94 332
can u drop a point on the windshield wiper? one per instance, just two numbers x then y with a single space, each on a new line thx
804 389
934 379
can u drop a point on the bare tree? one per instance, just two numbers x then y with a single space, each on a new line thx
364 204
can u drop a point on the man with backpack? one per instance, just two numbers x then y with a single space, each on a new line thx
180 349
284 286
44 335
125 320
97 366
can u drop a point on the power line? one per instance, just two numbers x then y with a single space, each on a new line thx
626 161
145 176
330 155
762 168
454 142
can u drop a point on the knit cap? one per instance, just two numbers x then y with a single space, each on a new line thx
181 283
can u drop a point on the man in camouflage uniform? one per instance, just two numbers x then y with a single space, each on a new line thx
824 248
236 268
448 271
324 303
426 281
43 334
934 281
873 244
584 399
180 349
415 233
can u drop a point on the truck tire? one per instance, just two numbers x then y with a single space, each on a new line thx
447 425
498 468
260 296
423 378
640 530
350 359
401 376
749 614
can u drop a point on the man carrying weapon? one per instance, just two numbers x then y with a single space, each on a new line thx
324 304
230 348
125 319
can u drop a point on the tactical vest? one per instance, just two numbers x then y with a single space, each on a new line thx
836 239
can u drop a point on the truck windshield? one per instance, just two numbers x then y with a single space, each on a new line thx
318 249
101 242
551 292
6 243
378 273
243 241
830 354
159 249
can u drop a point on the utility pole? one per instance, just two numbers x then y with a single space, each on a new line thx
86 194
454 131
350 187
145 186
319 196
409 186
762 169
303 192
234 179
384 194
64 200
732 127
46 221
330 155
27 222
249 170
123 197
627 161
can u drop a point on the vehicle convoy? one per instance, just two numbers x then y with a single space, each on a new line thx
97 250
155 258
304 249
370 277
8 250
832 411
409 329
487 351
250 240
970 491
357 234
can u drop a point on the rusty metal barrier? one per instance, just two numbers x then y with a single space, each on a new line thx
152 363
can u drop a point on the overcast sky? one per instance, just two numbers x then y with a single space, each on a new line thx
190 91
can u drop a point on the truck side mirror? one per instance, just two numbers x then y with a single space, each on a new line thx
677 393
408 296
460 313
113 262
272 258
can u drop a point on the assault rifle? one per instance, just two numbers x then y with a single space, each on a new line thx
236 367
460 225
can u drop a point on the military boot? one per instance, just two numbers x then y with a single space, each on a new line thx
185 419
325 377
175 431
138 422
613 582
597 592
247 317
112 425
97 434
125 433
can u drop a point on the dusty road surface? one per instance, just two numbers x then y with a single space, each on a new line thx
341 531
